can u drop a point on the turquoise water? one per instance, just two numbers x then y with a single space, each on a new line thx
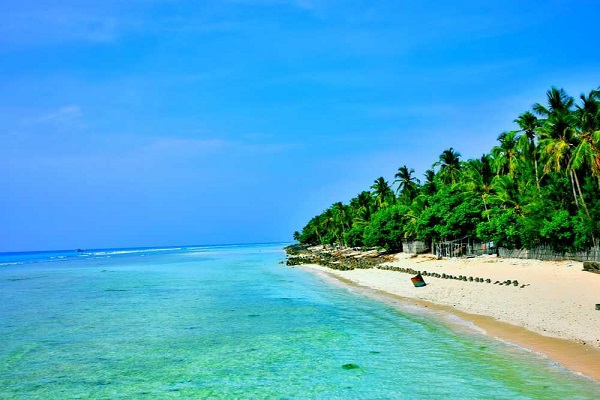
230 322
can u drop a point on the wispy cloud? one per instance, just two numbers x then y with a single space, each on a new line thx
64 118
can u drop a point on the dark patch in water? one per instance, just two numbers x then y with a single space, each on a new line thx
350 366
116 290
374 352
254 315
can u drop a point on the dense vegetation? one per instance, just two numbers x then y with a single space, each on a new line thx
538 185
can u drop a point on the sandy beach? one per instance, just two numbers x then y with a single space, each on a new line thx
554 314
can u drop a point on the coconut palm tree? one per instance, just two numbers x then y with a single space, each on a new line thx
588 125
477 177
506 193
327 223
429 187
415 209
339 218
362 207
529 124
408 185
507 154
559 136
559 102
382 192
449 163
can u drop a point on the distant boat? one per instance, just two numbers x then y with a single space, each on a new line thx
79 251
418 281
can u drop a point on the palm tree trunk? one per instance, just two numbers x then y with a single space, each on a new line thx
487 214
535 161
319 235
573 188
581 195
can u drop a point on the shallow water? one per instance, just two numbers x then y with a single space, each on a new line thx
230 322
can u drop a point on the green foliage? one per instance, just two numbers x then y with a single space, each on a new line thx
355 236
386 228
501 229
538 186
558 231
451 215
584 232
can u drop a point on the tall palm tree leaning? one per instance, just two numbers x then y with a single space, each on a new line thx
382 192
559 136
588 125
407 184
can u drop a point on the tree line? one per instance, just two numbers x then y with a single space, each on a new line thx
540 185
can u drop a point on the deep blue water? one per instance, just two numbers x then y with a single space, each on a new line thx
231 322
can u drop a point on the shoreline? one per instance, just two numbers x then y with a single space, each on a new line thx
569 350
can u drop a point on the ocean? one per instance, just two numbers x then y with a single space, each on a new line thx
231 322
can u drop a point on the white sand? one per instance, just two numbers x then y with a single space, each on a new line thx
559 301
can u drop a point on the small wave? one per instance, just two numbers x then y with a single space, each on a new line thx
456 320
10 263
118 252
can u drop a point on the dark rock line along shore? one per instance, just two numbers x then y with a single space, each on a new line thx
344 259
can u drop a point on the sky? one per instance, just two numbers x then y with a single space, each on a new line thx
155 123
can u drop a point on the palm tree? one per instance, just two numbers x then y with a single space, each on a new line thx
506 193
339 217
478 177
506 154
362 206
429 187
559 102
558 135
529 125
415 209
407 184
586 152
449 163
382 192
327 223
588 125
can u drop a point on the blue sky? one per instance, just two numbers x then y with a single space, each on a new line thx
141 123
